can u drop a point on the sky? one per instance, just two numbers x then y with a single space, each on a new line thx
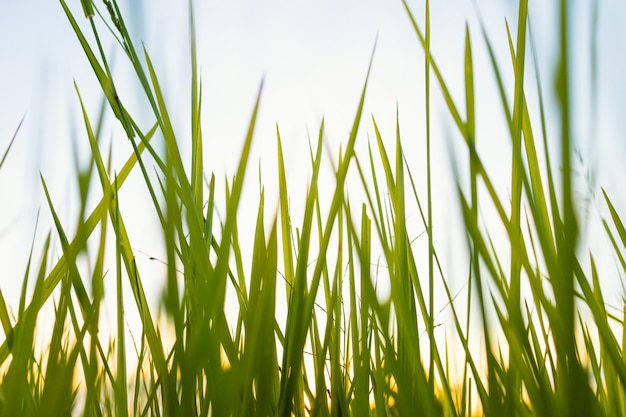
313 57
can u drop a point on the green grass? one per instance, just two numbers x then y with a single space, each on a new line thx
549 345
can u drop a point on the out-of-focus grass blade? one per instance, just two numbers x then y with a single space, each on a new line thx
617 221
259 374
197 166
4 156
5 320
68 252
56 395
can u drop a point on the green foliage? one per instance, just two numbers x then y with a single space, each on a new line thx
342 350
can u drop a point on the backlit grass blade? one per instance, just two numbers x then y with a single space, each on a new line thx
617 221
435 68
536 193
258 376
87 7
516 166
429 208
6 152
127 43
121 400
197 154
569 370
5 320
68 251
285 220
377 208
104 77
362 348
56 398
515 320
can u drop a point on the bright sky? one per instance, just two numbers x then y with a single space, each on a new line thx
314 57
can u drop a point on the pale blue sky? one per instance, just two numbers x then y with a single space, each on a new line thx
313 55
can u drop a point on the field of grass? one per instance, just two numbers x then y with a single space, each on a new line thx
300 327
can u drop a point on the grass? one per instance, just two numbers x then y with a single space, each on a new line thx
550 347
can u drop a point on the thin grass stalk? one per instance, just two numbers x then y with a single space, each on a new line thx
429 226
121 398
514 309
